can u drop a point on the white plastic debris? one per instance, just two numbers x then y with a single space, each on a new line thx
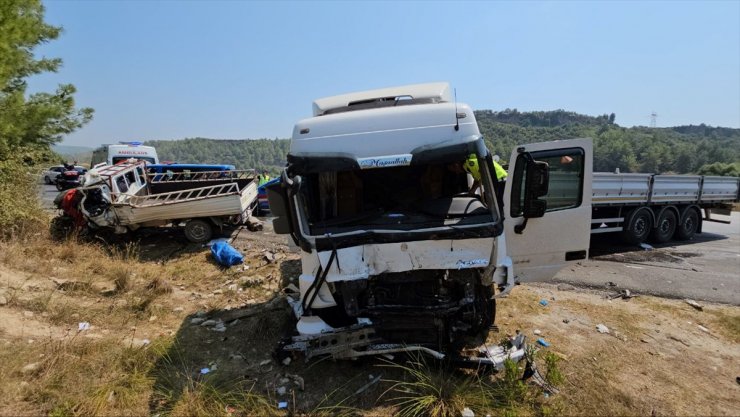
704 329
646 246
694 304
537 332
281 390
204 371
282 404
83 325
466 412
286 361
602 329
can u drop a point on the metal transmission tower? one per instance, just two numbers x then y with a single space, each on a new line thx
653 119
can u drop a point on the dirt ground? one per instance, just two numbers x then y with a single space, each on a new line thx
168 302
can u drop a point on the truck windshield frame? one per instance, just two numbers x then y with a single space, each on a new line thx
454 213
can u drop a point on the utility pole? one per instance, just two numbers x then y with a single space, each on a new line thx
653 119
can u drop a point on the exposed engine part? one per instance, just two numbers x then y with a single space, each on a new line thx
433 308
358 341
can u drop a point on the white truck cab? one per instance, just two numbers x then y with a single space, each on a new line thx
397 251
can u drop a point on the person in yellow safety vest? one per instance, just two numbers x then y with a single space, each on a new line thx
264 178
471 166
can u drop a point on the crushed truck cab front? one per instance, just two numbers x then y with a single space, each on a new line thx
401 248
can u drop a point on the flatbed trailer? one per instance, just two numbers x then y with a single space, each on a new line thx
659 207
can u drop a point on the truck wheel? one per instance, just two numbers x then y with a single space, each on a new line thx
198 231
666 227
638 227
688 226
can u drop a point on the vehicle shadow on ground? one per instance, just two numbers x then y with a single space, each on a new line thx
609 244
239 354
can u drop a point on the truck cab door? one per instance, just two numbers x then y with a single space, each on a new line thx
547 206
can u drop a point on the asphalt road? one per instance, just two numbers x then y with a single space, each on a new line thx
47 194
706 268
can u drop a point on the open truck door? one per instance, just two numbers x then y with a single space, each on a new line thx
548 207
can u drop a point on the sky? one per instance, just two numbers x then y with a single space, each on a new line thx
249 69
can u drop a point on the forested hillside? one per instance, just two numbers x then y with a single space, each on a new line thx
250 153
681 149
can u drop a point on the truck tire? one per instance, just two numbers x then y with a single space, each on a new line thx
638 227
666 227
198 230
688 226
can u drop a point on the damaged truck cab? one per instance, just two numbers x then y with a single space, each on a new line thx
401 249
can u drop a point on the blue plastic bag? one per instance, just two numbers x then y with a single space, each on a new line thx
225 254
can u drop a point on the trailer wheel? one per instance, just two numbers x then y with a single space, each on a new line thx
666 227
688 226
638 227
198 230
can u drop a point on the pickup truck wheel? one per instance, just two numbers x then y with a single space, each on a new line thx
638 227
666 227
198 231
688 226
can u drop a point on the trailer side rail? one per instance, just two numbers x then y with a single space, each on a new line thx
157 177
182 196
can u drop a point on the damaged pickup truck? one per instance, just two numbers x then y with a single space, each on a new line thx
124 197
401 249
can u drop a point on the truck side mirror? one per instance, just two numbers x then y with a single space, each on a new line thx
536 185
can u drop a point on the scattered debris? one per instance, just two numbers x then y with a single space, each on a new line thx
566 321
197 320
643 340
219 327
694 304
204 371
208 323
537 332
624 294
178 310
3 300
704 329
225 255
287 361
543 302
30 368
611 284
281 391
365 387
82 326
683 342
269 256
298 380
253 225
601 328
282 404
646 246
466 412
265 362
543 342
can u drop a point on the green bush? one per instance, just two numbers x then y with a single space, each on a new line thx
20 211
